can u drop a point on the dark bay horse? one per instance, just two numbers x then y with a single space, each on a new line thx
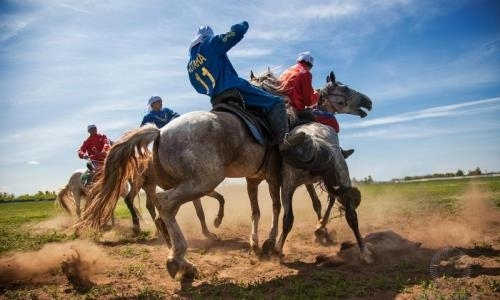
192 155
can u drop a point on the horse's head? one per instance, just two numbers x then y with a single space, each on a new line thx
338 98
266 81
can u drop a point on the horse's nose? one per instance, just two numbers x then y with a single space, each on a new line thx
365 101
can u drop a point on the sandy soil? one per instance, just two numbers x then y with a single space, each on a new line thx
404 243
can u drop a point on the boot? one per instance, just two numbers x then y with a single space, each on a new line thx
347 153
290 141
279 125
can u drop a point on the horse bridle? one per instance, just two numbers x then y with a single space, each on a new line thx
323 95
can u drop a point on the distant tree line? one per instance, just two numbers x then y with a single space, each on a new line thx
458 173
39 196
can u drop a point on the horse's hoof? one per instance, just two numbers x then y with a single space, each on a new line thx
255 250
217 222
211 236
172 267
190 274
136 230
268 247
320 233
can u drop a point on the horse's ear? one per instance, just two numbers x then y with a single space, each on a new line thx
252 77
330 77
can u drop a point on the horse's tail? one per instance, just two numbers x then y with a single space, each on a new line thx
126 157
65 201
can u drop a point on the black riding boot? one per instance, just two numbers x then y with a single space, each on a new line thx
279 125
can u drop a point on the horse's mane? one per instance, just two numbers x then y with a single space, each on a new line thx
268 82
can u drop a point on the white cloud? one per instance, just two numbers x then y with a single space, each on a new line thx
433 112
33 162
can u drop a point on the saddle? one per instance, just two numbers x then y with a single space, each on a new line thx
232 101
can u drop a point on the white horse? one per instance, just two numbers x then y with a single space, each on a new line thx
69 198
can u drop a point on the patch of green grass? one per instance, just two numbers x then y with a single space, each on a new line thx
18 216
98 291
136 271
20 294
440 195
151 293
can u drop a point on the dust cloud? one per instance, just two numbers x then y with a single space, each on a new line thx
474 221
82 256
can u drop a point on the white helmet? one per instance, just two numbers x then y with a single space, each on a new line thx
203 32
306 57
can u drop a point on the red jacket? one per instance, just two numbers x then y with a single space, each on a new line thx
95 146
296 83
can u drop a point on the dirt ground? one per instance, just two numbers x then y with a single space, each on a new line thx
127 267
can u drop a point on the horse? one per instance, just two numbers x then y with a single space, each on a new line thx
333 173
192 155
69 199
146 180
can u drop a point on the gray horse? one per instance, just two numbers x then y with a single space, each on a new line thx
146 180
192 155
328 166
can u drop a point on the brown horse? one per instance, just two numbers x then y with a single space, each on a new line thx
191 156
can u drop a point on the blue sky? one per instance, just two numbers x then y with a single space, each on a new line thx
432 69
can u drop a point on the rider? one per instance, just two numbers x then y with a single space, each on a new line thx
211 73
296 84
158 115
94 148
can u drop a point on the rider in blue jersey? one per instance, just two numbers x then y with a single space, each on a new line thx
211 73
158 114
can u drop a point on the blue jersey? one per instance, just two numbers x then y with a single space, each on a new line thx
211 72
160 118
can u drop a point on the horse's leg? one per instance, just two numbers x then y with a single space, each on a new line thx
287 191
321 232
270 243
168 205
201 216
252 190
314 199
150 190
352 219
78 196
220 213
129 200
